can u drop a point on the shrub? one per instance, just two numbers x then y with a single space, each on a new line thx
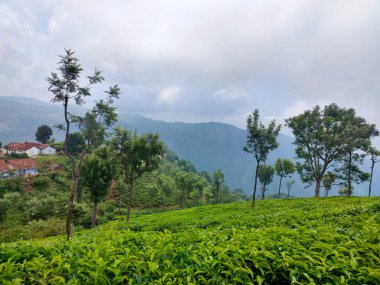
13 184
41 182
45 228
42 208
82 215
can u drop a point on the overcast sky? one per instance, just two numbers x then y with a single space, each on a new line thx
195 61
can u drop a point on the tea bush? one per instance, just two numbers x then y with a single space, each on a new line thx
300 241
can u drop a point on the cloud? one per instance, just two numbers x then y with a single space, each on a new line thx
169 94
231 93
228 57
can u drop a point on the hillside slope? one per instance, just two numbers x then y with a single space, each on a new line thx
209 146
298 241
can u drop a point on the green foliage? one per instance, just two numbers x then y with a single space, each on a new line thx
66 88
283 168
82 215
43 133
328 136
3 208
12 184
217 184
136 155
297 241
260 141
75 143
40 182
97 173
42 208
265 175
18 155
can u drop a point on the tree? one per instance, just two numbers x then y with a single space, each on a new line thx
374 156
327 181
260 141
289 185
43 133
283 168
318 137
66 88
356 139
265 176
136 156
97 174
217 183
76 143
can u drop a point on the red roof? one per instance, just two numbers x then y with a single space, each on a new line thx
17 164
3 166
25 146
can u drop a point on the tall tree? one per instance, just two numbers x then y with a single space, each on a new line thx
374 156
217 183
97 174
260 141
136 155
283 168
265 176
66 88
356 139
43 133
318 137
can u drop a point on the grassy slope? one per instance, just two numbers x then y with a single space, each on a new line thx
334 241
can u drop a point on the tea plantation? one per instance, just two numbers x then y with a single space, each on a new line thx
298 241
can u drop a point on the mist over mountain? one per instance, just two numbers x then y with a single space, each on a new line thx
209 146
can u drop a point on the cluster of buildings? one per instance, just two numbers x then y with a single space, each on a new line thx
29 148
16 167
24 166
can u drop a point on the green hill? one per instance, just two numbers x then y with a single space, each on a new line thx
299 241
209 146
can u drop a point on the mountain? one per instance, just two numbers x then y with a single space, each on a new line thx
209 146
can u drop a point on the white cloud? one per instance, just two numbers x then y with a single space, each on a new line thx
295 109
233 55
169 94
231 93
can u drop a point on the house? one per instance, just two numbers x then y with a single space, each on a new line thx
31 149
16 167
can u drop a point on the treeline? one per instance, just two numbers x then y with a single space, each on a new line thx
35 207
331 144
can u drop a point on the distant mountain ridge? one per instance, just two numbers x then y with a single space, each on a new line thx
209 146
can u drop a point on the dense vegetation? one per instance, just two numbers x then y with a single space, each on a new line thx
298 241
35 207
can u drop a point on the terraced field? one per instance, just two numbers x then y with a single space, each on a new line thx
298 241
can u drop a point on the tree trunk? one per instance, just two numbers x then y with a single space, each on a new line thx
349 175
318 187
279 187
120 205
288 193
70 208
255 185
94 210
370 179
129 202
263 196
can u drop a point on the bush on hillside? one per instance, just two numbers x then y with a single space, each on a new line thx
41 182
42 208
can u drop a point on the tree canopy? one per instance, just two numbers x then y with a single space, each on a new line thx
66 88
43 133
260 141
